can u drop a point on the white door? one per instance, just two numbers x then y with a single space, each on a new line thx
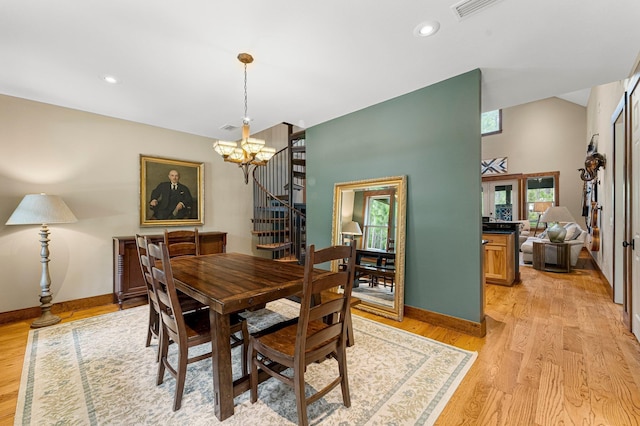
634 180
500 200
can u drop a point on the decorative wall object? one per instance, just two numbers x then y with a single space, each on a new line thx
171 192
504 212
493 166
593 161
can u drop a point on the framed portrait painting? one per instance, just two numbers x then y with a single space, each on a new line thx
171 192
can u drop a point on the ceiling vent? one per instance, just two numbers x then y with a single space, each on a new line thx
229 127
466 8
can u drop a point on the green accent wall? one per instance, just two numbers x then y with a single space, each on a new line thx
432 136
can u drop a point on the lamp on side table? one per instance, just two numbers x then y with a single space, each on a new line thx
557 214
43 209
351 230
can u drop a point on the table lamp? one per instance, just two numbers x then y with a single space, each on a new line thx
540 207
43 209
351 229
557 214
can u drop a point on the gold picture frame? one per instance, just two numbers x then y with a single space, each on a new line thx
160 205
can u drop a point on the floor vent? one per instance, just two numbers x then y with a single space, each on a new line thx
466 8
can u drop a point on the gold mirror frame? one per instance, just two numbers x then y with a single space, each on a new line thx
399 184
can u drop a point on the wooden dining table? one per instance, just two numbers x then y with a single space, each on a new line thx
229 283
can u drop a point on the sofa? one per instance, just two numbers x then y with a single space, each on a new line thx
525 232
576 237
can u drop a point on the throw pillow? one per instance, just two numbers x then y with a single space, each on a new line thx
573 231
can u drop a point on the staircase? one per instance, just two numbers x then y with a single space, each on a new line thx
279 209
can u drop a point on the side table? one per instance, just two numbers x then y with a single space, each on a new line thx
563 256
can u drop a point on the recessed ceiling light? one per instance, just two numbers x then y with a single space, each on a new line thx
110 79
426 29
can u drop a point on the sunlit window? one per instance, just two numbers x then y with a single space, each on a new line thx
491 122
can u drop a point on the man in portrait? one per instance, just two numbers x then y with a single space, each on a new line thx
171 200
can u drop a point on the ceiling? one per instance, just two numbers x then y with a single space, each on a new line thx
314 60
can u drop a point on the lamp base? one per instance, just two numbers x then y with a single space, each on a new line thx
45 320
556 233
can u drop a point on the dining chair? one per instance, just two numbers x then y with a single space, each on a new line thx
182 243
187 330
389 263
153 329
187 303
311 339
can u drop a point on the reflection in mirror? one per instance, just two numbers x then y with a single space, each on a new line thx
370 214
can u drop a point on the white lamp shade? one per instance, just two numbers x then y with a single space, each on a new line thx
224 148
252 145
557 214
41 209
265 154
236 156
351 228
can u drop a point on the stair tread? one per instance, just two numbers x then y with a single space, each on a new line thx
287 259
273 246
272 208
269 231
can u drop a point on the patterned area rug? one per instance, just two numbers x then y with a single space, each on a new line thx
97 371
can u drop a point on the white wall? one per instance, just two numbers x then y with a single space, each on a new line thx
602 104
544 136
93 163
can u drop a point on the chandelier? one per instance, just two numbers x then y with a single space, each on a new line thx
251 151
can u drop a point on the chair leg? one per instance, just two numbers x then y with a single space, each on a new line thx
350 338
253 376
301 400
163 348
153 321
181 371
245 347
341 357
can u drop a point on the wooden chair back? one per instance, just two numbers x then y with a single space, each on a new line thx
316 344
182 243
145 267
164 287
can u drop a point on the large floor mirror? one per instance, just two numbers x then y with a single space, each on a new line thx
370 214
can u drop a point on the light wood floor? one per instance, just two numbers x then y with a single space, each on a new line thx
556 353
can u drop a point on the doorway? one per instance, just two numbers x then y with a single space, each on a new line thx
500 200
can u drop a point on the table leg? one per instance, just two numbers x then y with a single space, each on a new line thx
221 360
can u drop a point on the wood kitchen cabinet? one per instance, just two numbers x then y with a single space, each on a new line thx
499 262
127 276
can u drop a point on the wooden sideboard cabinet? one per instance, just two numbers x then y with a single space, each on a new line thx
127 276
499 262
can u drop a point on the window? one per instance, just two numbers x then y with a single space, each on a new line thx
519 196
541 194
379 219
491 122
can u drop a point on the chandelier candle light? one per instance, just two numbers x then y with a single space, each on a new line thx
251 151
